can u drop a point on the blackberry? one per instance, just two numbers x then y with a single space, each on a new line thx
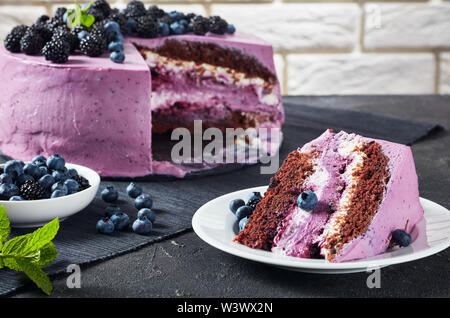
69 37
217 25
147 27
32 190
253 203
12 40
100 9
59 13
155 12
56 51
135 9
83 182
314 251
31 43
98 29
200 25
189 17
42 30
54 23
92 45
42 19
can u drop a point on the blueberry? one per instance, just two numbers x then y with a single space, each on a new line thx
44 170
8 190
118 37
5 178
59 176
58 193
115 46
112 26
72 186
176 16
307 200
117 57
38 159
111 210
133 190
82 34
105 226
14 168
40 163
142 226
22 178
231 29
164 29
56 162
65 17
32 170
146 213
143 201
178 28
131 26
183 22
61 187
120 220
236 204
243 212
47 181
242 223
72 172
109 194
401 238
254 196
16 198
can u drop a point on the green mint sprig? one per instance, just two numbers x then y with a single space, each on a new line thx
29 253
79 16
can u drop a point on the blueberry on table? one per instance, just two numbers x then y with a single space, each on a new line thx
401 238
14 168
72 186
111 210
242 223
236 204
133 190
56 162
120 220
142 226
115 46
105 226
307 200
117 56
143 201
109 194
243 212
146 213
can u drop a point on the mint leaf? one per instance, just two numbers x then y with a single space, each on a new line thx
41 237
87 20
5 228
36 274
45 256
15 245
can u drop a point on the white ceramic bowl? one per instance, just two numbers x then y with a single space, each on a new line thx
39 212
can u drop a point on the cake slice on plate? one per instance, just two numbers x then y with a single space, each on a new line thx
339 197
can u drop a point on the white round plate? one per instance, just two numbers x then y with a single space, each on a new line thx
39 212
217 226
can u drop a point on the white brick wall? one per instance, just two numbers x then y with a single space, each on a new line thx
326 46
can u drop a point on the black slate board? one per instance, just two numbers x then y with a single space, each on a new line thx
177 200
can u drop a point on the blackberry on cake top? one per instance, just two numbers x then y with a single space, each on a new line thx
90 38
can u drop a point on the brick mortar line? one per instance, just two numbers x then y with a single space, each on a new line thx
437 72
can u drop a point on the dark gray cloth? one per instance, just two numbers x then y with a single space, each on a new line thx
175 201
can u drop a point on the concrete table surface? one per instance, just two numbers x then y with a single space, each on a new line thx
185 266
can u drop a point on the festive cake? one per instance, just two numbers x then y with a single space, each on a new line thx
115 111
339 197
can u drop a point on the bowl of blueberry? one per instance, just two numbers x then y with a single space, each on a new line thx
36 192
